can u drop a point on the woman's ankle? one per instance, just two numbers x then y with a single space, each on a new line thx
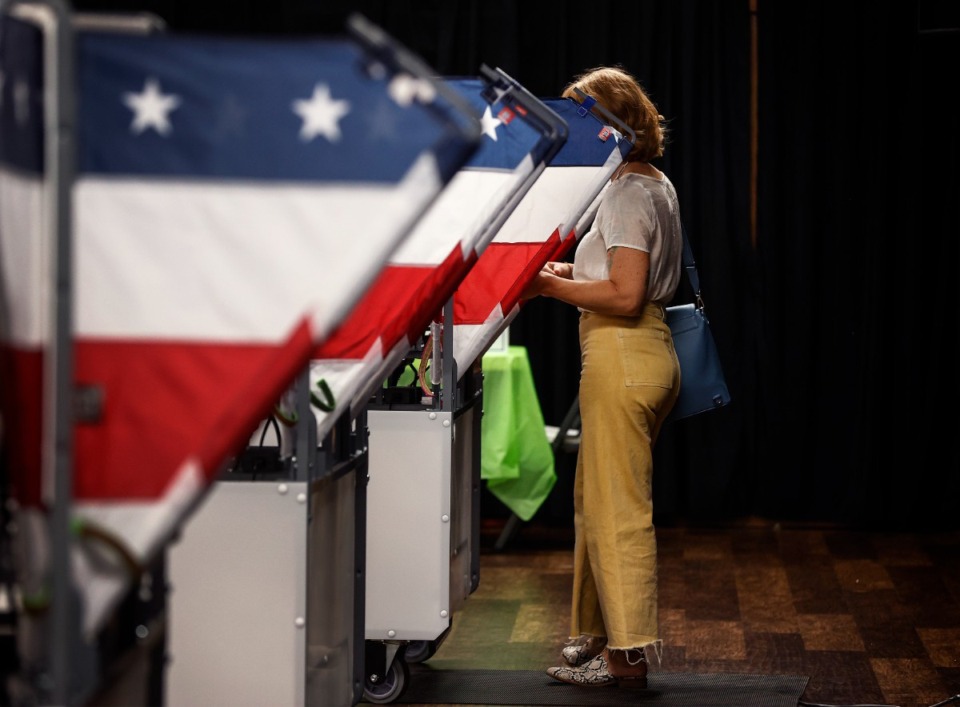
626 663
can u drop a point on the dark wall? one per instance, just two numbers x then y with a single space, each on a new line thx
836 326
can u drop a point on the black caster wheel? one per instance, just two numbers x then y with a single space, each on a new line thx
419 651
388 688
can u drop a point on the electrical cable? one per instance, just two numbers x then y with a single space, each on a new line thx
424 365
288 418
270 422
85 530
328 403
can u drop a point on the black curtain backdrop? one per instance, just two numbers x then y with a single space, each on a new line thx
836 324
857 263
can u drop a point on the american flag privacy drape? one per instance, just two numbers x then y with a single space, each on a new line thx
234 200
544 226
519 138
485 269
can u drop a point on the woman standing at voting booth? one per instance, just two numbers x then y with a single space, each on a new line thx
625 270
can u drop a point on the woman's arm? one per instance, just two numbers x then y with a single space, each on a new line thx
623 294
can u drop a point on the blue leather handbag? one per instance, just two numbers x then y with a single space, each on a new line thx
703 386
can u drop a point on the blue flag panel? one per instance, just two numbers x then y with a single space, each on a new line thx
306 110
590 140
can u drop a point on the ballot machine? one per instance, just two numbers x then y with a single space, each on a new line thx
266 579
423 511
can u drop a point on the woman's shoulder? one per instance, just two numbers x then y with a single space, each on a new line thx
630 189
652 187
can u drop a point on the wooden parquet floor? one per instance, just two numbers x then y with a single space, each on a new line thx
872 618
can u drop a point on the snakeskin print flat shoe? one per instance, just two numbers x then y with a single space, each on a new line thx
596 673
577 655
593 673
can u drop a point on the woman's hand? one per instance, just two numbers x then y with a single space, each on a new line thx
537 284
540 284
623 294
564 270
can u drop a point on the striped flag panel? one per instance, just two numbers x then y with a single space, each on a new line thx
234 199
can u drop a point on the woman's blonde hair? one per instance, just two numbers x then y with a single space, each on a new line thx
621 94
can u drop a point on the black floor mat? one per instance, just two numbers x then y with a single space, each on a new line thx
532 687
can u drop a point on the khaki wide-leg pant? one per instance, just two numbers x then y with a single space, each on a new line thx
629 382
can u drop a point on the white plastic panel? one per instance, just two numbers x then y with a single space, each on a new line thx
408 525
237 602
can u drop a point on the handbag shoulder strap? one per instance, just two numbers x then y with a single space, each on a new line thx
690 267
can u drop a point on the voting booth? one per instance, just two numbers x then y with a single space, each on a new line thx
425 463
170 207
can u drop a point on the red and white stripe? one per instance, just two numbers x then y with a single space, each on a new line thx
545 224
418 279
194 308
